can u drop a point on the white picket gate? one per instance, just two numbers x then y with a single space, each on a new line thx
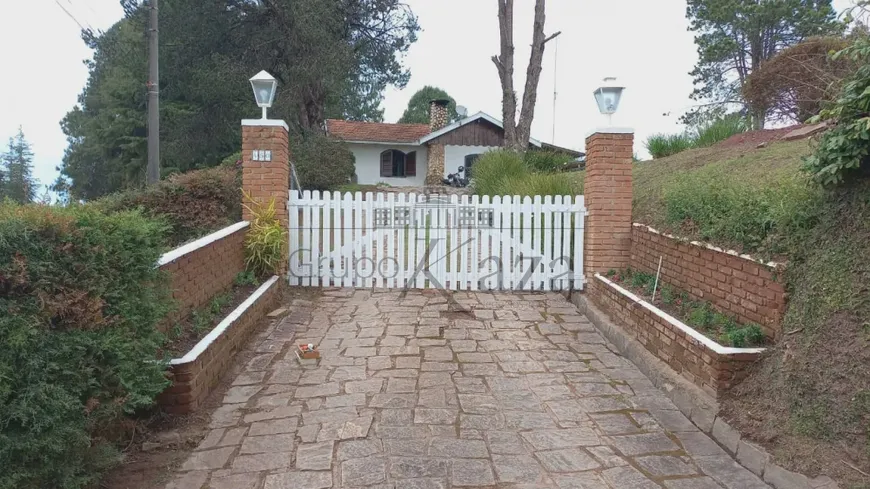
436 241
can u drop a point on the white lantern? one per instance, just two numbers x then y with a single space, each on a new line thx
264 86
607 96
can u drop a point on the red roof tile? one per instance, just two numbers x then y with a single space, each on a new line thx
376 131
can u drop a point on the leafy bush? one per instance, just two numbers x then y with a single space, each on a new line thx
192 204
80 299
546 161
505 172
844 151
322 163
719 129
265 241
661 145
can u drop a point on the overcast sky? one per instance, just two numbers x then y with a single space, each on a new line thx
644 43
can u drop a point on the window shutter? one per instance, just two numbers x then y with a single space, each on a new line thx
387 163
411 164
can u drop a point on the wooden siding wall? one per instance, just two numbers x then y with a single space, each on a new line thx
477 133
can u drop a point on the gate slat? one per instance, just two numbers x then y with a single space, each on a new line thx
502 226
315 238
401 243
463 248
486 265
326 239
525 238
474 236
557 242
547 245
293 236
305 230
566 245
579 225
369 261
411 239
536 246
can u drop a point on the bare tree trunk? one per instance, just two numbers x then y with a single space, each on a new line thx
533 74
516 136
504 63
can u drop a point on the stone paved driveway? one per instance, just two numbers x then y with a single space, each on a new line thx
521 393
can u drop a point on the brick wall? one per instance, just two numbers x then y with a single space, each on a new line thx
204 268
737 286
193 379
711 370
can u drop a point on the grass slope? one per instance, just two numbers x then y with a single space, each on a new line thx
808 400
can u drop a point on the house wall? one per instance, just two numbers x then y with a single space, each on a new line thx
479 132
368 164
454 156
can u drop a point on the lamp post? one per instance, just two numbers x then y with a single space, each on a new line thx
264 86
607 96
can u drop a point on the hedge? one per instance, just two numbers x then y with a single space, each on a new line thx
192 204
80 298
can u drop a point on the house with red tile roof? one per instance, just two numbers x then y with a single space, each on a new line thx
421 154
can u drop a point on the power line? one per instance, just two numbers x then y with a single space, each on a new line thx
90 27
71 16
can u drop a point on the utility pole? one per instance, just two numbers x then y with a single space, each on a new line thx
152 175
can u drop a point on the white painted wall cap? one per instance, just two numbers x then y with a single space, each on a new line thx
611 130
266 123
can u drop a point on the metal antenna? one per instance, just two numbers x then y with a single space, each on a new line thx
555 93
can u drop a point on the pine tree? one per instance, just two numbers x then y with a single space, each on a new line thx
17 165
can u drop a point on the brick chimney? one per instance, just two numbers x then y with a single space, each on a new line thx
438 114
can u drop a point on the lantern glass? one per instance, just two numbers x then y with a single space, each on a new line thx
264 86
264 92
608 96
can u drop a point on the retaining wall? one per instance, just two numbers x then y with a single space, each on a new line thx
735 284
198 372
204 268
712 367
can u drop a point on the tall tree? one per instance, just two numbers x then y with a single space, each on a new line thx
734 37
517 134
17 164
332 58
418 107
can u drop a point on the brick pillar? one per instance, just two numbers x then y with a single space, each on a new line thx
266 175
607 190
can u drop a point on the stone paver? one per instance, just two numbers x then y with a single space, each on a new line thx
519 392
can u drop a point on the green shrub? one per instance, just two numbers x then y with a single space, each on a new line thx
746 336
545 161
265 241
661 145
493 168
80 299
538 184
706 134
192 204
322 163
505 172
844 151
719 129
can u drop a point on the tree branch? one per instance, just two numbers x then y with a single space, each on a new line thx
553 36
